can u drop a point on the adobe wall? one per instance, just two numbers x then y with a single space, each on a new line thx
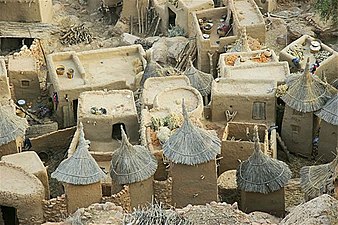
297 129
141 192
26 11
26 196
54 142
9 148
24 69
196 185
41 129
5 94
243 105
272 203
82 196
239 148
330 68
328 141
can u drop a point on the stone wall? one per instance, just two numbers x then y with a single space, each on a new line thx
162 191
120 199
41 129
55 209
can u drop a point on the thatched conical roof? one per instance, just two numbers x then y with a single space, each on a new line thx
319 179
11 126
329 112
198 79
306 93
81 168
131 163
153 69
260 173
191 145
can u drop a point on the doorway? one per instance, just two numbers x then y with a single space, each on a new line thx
116 131
13 44
172 18
75 102
9 215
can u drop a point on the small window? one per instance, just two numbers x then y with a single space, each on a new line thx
24 83
259 111
295 129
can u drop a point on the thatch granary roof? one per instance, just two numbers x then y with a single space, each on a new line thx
198 79
191 145
319 179
153 69
260 173
131 163
81 168
11 126
306 93
329 112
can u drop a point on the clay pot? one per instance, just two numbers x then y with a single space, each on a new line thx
267 53
60 70
70 73
315 46
207 28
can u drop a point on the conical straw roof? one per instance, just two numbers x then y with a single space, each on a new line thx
131 163
260 173
81 168
329 112
198 79
319 179
153 69
191 145
11 126
306 93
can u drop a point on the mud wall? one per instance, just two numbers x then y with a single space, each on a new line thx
328 141
194 185
141 192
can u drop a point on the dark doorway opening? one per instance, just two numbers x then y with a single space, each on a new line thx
75 102
172 18
13 44
106 190
280 107
116 131
9 215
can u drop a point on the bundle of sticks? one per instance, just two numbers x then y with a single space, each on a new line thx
76 35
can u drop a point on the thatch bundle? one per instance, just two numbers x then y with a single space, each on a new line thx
154 214
329 112
130 163
260 173
198 79
11 126
81 168
191 145
319 179
306 92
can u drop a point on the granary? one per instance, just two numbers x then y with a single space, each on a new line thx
242 100
72 73
21 196
306 93
5 94
12 130
81 176
154 85
237 144
320 179
23 76
134 165
179 13
192 153
305 47
328 133
31 163
254 65
199 80
102 114
26 11
261 180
